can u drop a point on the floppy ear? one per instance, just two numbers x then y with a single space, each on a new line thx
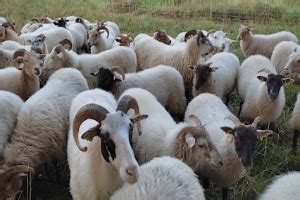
138 118
263 133
190 140
91 133
227 130
262 78
287 81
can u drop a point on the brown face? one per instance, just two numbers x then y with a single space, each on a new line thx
244 31
162 36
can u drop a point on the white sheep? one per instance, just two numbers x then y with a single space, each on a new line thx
252 44
260 88
59 57
219 40
234 140
42 123
295 122
53 37
163 178
161 136
217 76
151 53
284 56
31 26
164 82
285 186
101 38
108 159
9 107
23 80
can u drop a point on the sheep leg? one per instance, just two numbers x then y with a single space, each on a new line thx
295 138
241 104
205 183
227 99
225 193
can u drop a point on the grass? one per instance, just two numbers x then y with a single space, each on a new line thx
273 154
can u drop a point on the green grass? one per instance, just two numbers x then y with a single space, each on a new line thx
272 156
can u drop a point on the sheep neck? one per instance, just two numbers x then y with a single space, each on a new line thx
30 84
72 60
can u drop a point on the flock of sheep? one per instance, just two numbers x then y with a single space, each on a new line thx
139 118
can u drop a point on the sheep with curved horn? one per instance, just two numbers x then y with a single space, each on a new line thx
103 127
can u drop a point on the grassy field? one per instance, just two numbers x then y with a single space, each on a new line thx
272 156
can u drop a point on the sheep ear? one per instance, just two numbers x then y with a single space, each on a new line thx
287 81
190 140
227 130
91 133
263 133
262 78
138 118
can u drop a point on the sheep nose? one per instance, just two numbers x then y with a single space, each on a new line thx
130 171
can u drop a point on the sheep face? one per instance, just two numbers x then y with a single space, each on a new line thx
200 43
105 79
198 146
218 39
95 35
161 36
202 74
124 40
29 63
244 32
293 64
56 59
38 44
274 83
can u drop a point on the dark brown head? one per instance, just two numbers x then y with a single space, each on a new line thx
189 34
202 74
274 83
124 40
245 139
161 36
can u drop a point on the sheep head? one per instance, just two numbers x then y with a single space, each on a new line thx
293 64
95 35
161 36
106 78
10 26
124 40
245 138
61 22
194 144
244 32
274 82
11 179
38 44
27 61
202 74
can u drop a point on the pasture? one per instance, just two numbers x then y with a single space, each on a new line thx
272 156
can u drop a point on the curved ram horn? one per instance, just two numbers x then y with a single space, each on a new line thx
256 121
35 20
102 27
19 53
265 70
190 129
196 120
127 102
9 173
189 34
234 119
118 70
210 32
89 111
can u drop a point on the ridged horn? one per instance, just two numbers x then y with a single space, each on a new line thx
127 102
89 111
189 33
196 120
19 53
102 27
265 70
234 119
256 121
118 70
